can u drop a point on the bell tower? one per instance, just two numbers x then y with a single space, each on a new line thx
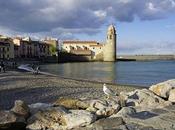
109 52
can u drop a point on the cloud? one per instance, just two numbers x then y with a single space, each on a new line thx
45 15
77 16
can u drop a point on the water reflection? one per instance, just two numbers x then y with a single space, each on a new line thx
134 73
98 71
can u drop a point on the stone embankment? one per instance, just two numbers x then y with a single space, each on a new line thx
141 109
146 57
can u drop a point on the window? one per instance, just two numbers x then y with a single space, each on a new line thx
7 49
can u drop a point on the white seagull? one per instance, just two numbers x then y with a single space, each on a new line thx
107 91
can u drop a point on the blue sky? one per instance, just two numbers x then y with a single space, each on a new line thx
143 26
141 37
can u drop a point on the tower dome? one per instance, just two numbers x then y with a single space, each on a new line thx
111 29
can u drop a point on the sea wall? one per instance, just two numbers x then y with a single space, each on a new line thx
146 57
68 57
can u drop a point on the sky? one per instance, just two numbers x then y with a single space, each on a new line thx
143 26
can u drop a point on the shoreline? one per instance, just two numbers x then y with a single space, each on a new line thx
31 88
42 99
100 82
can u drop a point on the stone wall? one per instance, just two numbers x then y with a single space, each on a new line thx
147 57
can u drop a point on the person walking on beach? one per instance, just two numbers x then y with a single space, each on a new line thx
2 66
37 69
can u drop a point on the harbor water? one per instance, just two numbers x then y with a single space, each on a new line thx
138 73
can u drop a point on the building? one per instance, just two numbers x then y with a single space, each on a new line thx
93 49
54 46
41 49
6 48
16 42
27 48
83 48
23 47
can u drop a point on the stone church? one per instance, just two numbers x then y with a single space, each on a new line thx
92 50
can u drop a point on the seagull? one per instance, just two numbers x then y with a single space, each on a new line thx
107 91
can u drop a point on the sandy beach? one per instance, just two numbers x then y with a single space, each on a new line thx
31 88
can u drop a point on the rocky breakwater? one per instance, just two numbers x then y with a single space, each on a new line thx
150 109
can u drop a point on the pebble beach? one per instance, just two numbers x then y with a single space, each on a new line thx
35 102
15 85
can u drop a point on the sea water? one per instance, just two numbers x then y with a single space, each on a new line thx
140 73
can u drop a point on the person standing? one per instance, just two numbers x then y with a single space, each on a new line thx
2 66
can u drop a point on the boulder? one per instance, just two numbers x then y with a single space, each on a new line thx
122 100
163 89
34 108
145 98
172 96
10 121
51 118
92 109
78 118
108 111
84 128
113 102
103 108
21 108
152 120
101 113
124 112
71 103
98 104
135 126
108 123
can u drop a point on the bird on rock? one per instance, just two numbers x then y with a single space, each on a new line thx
108 91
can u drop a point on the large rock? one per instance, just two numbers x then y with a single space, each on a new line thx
172 96
10 121
77 118
124 112
21 108
136 126
104 108
108 111
108 123
163 89
122 99
98 104
152 119
51 118
145 98
71 103
34 108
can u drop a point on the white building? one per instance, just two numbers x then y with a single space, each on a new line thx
97 51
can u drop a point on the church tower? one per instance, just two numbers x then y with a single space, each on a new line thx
109 52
